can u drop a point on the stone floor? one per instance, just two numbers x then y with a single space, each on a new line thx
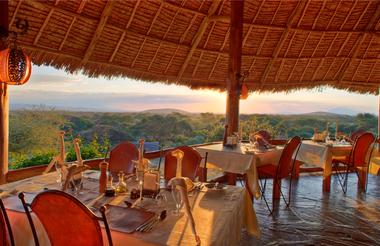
317 218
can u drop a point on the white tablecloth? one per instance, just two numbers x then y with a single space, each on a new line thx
321 154
219 215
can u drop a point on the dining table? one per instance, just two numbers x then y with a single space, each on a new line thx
219 214
242 159
321 154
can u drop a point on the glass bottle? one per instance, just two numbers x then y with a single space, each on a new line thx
121 186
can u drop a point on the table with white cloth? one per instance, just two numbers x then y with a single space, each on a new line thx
219 215
321 155
240 160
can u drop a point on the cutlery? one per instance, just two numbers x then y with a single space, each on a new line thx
150 223
159 218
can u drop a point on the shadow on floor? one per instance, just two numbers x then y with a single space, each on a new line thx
317 218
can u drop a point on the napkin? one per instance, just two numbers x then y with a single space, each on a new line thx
262 143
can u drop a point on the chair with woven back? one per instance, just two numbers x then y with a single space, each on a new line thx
66 220
190 164
282 170
354 135
6 235
357 161
121 158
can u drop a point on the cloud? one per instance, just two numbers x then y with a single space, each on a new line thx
51 79
104 101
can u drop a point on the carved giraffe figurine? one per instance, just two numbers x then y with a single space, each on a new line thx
179 154
142 163
180 183
76 168
59 159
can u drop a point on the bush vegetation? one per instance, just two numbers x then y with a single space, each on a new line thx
34 132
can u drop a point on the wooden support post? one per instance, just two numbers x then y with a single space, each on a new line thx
4 103
234 66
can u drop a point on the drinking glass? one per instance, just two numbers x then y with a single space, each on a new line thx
161 200
177 197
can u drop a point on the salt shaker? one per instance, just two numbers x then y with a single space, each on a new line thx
103 176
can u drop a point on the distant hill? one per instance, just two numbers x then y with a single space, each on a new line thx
329 114
164 111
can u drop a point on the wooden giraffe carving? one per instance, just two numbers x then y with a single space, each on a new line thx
76 168
178 154
142 163
77 152
59 159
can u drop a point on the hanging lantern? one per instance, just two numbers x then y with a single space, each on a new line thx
244 91
15 66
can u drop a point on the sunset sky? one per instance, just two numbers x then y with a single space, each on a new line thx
52 87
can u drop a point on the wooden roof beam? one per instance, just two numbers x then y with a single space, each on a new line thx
370 26
124 32
198 36
43 27
98 32
300 6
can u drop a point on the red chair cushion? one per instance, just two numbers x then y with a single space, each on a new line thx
267 171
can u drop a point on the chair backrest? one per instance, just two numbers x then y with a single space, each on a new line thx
356 134
190 163
285 165
66 220
6 235
121 157
264 134
360 149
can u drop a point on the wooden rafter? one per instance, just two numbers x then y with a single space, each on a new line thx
300 6
198 36
67 33
147 34
371 71
81 6
163 38
370 26
15 13
218 56
99 29
124 31
43 27
44 6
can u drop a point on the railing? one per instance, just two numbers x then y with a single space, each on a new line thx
23 173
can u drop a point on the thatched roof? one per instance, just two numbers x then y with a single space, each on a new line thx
288 44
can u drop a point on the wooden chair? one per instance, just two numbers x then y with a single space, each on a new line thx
121 158
190 164
278 172
356 134
66 220
357 161
6 235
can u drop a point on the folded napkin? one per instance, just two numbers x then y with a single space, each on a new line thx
262 144
127 220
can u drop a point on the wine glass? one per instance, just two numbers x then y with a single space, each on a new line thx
177 197
161 200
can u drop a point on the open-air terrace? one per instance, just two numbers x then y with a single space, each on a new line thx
247 187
